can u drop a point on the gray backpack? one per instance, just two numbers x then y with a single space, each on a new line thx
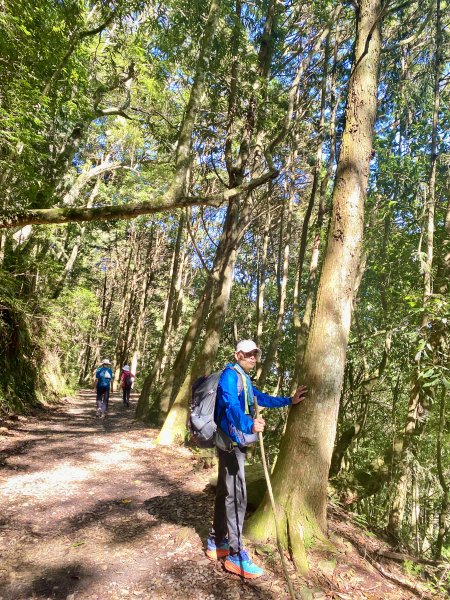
201 423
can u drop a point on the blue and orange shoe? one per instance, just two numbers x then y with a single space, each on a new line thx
241 564
215 551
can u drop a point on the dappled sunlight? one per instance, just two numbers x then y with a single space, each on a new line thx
65 479
61 481
105 459
109 515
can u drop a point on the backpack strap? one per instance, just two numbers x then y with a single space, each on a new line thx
242 386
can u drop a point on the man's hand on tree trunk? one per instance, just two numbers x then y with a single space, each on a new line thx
299 395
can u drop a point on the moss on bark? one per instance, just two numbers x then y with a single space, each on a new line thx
30 372
299 530
174 429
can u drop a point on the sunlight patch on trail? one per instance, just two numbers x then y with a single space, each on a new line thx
120 459
60 481
65 479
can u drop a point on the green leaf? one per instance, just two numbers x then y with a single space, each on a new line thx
427 373
431 383
25 30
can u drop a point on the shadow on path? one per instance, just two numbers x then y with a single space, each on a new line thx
93 510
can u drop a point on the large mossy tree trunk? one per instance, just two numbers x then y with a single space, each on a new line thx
301 473
238 213
174 428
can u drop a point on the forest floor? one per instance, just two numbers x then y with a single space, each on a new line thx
92 509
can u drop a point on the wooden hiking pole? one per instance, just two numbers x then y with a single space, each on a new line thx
272 502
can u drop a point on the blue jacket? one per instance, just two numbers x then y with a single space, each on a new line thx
230 406
104 376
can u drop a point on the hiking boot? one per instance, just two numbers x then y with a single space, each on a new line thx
242 564
215 551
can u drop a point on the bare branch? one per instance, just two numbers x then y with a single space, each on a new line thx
197 250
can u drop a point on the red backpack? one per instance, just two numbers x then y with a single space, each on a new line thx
127 379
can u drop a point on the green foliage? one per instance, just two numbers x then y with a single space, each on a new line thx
116 99
411 568
73 318
22 353
33 43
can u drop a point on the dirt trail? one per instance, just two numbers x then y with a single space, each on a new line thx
91 509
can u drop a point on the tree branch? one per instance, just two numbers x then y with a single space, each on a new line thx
197 249
167 202
415 36
77 37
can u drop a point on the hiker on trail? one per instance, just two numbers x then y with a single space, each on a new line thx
238 428
126 383
103 376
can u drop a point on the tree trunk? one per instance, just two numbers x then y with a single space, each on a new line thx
283 270
231 233
177 373
443 513
369 379
156 204
128 292
140 320
174 428
302 327
143 408
261 283
175 424
183 159
354 431
178 370
307 446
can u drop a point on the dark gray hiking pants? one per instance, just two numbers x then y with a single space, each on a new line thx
103 399
126 391
231 498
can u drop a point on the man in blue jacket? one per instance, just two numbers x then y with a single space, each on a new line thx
235 418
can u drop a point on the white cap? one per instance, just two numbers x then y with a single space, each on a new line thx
247 346
105 361
126 368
